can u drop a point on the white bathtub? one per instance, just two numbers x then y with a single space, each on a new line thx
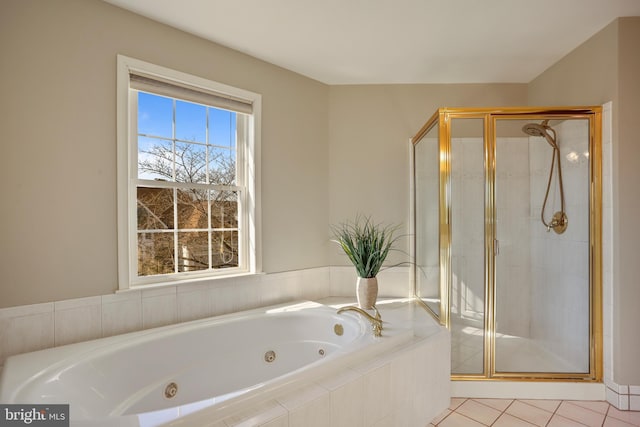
209 365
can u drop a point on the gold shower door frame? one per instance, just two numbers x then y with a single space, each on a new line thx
442 118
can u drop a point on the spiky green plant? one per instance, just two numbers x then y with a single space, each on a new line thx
366 244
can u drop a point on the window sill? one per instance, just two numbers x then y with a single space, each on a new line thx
189 281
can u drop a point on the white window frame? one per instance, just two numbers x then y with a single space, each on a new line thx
127 152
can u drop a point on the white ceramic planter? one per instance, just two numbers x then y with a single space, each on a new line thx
367 292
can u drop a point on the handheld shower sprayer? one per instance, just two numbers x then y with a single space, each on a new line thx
559 220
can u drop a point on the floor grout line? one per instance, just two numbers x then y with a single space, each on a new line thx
553 414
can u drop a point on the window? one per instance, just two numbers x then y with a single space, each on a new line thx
187 168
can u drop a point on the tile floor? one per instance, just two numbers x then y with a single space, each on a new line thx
527 413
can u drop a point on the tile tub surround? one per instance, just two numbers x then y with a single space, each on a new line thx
394 389
388 391
39 326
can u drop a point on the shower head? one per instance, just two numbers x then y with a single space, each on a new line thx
542 129
534 129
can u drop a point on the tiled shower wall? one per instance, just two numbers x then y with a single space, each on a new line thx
467 231
560 262
513 263
513 266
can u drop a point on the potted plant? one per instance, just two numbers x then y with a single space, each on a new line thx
367 245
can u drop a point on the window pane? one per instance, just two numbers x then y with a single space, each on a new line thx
224 209
222 166
222 127
191 161
184 170
155 254
224 249
193 251
155 115
191 121
155 159
155 208
192 209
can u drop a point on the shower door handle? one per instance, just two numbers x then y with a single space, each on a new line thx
496 247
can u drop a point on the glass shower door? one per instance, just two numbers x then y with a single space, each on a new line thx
467 318
513 217
542 285
426 161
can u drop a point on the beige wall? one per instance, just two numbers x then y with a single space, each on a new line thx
369 131
606 68
58 163
627 300
58 115
581 78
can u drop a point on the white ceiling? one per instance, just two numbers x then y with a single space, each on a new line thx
395 41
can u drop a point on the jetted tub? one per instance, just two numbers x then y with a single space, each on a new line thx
158 376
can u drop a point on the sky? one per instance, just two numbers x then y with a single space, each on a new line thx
155 119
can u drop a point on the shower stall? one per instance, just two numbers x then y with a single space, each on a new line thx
507 223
